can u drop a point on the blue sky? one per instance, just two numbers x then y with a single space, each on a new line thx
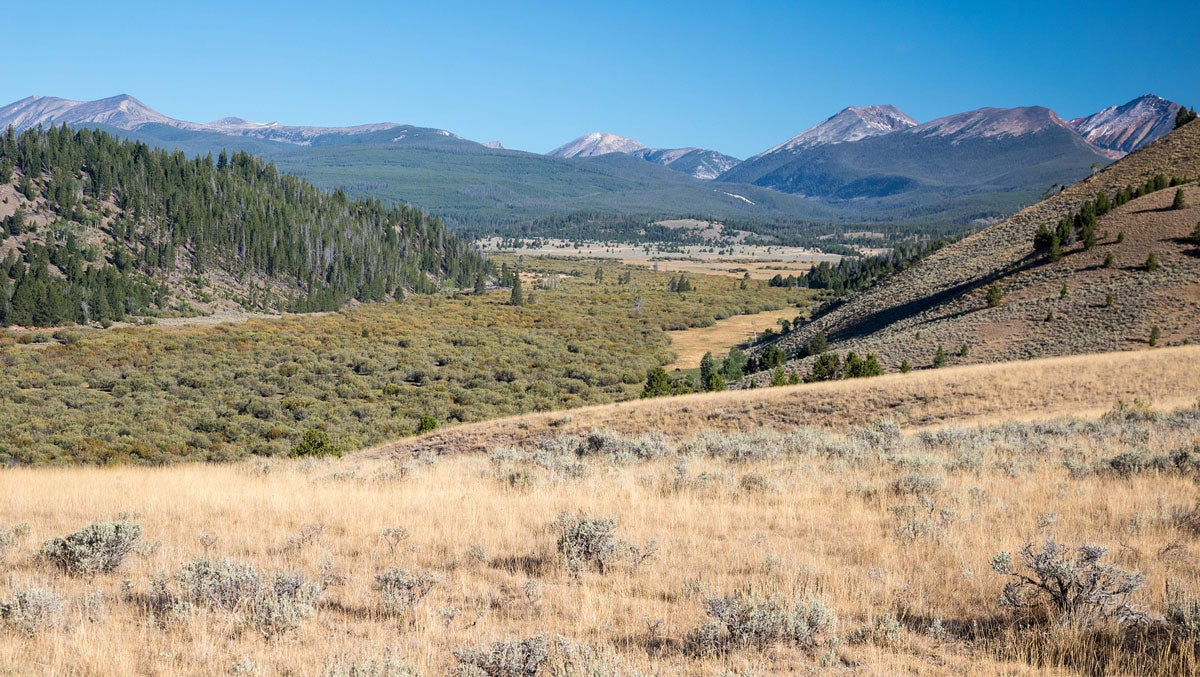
736 77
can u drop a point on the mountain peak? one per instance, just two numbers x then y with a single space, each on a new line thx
1130 126
992 122
849 124
596 143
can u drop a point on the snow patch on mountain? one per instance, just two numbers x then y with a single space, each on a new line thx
850 124
126 112
1128 127
596 143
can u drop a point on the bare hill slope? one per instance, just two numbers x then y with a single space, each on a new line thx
942 299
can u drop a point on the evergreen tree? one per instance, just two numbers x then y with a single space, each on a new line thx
1184 116
995 295
1151 262
1155 335
827 368
940 358
1179 202
657 383
707 368
734 365
905 367
517 298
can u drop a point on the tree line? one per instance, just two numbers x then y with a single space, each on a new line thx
163 214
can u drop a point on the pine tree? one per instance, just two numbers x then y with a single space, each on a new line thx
1184 116
939 358
994 295
657 383
905 367
1151 262
517 298
1179 202
1155 335
707 368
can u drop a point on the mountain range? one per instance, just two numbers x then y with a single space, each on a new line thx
864 164
1101 298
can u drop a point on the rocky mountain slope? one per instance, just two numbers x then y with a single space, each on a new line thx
699 163
1126 128
849 124
973 163
1049 308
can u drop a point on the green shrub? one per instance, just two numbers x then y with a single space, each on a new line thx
754 620
97 548
316 442
426 424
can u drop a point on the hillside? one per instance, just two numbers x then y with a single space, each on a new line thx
94 228
941 300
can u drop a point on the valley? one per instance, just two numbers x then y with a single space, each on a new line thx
911 391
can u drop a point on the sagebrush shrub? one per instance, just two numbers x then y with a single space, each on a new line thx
32 610
1080 588
97 548
753 620
586 541
273 603
402 591
505 658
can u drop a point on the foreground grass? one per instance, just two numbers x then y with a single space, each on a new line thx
893 531
365 375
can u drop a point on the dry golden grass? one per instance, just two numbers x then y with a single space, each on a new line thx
817 521
691 344
819 525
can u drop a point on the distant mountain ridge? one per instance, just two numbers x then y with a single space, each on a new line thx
126 112
698 162
863 165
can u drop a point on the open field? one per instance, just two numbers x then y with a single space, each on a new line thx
883 535
1083 385
733 259
691 344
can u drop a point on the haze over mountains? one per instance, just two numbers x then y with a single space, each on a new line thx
862 165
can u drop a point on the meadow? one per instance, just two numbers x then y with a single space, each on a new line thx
867 548
149 394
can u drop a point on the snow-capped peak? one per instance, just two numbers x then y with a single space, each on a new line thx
597 143
1130 126
849 124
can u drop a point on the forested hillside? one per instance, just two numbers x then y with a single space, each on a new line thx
94 228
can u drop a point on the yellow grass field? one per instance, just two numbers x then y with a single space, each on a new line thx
891 528
691 344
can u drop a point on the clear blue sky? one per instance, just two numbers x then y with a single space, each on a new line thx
736 77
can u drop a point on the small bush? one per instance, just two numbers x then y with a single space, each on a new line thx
752 620
316 442
507 658
32 610
995 295
586 541
402 591
1079 589
426 424
273 603
98 548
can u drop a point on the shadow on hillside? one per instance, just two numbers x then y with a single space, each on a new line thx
886 317
1193 251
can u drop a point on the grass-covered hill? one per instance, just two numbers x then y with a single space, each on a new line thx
1084 297
93 228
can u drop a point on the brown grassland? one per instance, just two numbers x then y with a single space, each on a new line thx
691 344
893 527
